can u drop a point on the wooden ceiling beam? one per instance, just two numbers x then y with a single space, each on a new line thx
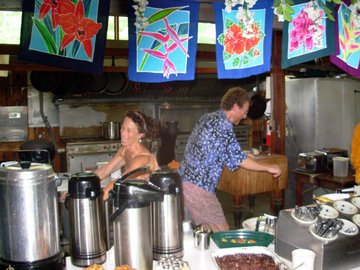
116 52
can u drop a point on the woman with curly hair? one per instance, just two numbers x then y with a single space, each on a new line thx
131 154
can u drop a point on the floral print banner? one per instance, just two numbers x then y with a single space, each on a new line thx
309 35
70 34
243 47
163 41
347 39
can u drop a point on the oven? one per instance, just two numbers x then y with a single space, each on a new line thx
84 155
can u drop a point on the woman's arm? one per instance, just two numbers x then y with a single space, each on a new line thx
114 164
137 162
252 165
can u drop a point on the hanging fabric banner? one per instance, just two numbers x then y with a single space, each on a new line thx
162 40
347 40
309 35
243 47
66 34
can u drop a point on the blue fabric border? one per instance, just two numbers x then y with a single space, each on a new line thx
330 34
192 47
95 66
246 72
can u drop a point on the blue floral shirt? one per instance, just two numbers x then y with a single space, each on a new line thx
211 145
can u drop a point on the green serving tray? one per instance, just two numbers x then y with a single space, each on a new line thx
241 238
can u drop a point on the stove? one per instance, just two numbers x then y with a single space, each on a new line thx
85 154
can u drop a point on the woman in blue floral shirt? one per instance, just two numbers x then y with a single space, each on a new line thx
211 146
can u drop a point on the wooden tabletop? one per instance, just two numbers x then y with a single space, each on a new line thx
324 180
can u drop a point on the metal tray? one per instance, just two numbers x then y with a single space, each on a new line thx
250 250
241 238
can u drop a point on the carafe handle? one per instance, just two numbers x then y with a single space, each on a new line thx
140 169
118 212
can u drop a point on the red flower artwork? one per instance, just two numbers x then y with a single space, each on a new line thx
76 26
236 43
56 7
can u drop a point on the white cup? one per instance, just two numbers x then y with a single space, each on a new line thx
303 259
340 166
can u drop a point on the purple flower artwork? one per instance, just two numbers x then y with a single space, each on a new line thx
164 48
348 41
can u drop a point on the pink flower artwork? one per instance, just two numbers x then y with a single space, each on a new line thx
308 29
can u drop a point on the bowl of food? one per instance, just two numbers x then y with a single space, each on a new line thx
345 207
241 238
248 258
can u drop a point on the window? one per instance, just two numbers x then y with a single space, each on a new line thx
10 29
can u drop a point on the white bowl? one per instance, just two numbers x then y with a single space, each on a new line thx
345 207
356 201
250 224
356 219
348 228
328 212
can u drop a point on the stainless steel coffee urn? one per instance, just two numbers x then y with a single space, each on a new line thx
168 215
132 222
86 220
29 221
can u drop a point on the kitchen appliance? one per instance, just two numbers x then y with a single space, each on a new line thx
13 123
29 221
167 221
111 130
333 152
84 155
312 162
313 123
86 220
133 241
311 116
343 252
39 150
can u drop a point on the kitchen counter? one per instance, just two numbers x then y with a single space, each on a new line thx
198 260
241 182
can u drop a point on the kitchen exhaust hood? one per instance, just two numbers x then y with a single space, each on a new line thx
204 87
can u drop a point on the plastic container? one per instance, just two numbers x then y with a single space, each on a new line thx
340 166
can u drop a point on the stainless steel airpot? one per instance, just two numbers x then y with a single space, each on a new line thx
133 241
86 219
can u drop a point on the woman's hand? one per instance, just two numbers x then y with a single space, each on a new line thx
107 189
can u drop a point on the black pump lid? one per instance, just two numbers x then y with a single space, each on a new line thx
167 180
136 193
84 185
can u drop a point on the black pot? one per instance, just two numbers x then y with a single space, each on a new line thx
45 81
40 151
257 107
